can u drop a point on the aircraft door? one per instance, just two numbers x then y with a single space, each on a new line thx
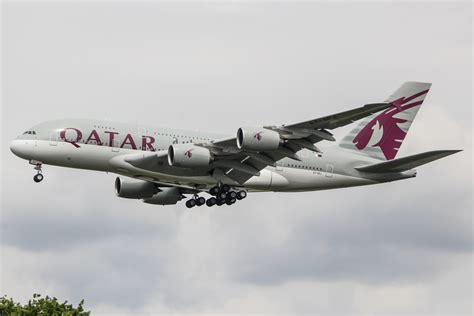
329 171
53 139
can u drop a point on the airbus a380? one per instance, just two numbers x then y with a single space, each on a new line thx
161 166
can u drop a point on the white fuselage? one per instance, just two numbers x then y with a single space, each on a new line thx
102 146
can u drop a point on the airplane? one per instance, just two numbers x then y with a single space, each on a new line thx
162 166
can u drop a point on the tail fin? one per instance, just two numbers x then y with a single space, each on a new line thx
381 135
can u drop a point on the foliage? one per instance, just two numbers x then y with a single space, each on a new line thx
40 306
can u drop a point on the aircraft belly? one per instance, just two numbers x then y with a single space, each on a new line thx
103 158
66 155
100 158
120 166
261 182
278 181
310 180
268 180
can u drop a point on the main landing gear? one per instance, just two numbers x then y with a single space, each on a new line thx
195 201
39 174
221 195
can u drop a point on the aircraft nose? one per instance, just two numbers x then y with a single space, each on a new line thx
14 147
18 147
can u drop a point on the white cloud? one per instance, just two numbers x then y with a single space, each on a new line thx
397 248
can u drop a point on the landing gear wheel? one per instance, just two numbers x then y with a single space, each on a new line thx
225 188
200 201
38 178
230 201
241 195
214 190
220 202
222 196
211 201
232 195
190 203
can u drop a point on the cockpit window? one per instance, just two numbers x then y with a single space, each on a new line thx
30 133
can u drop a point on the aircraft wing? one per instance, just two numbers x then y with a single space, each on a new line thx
240 165
340 119
133 165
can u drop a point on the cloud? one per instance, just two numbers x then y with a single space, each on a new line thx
397 248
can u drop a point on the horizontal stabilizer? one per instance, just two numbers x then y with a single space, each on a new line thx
407 163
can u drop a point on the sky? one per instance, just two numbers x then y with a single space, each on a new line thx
401 248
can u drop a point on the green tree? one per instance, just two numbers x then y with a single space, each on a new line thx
40 306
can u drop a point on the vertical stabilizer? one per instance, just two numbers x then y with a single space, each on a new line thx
381 135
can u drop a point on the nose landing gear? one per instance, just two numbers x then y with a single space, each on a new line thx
39 174
38 178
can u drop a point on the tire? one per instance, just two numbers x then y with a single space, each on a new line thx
232 194
211 201
241 195
230 201
222 196
190 203
200 201
214 190
38 178
225 188
220 202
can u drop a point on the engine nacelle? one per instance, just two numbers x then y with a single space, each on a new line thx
258 139
188 156
166 196
134 190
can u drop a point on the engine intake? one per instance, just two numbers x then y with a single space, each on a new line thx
134 190
188 156
258 139
166 196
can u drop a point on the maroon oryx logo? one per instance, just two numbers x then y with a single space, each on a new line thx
188 153
258 136
387 123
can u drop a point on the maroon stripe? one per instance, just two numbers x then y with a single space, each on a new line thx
415 96
411 105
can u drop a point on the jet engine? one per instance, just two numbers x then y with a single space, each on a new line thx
135 189
188 156
166 196
258 139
